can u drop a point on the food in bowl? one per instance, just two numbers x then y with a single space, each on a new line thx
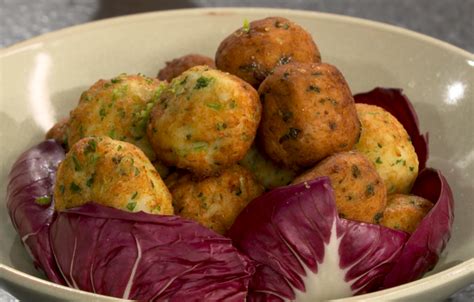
285 244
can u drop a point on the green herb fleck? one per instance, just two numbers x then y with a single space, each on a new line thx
294 132
279 24
43 200
286 115
134 195
215 106
90 181
77 164
91 146
188 136
412 169
377 217
131 205
112 133
75 188
313 88
116 80
355 171
246 26
202 82
102 113
200 146
370 190
232 104
378 160
379 145
284 60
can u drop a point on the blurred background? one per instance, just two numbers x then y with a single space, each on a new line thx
448 20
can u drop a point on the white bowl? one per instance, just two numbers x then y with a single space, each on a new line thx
41 80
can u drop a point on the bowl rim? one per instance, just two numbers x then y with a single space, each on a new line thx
460 271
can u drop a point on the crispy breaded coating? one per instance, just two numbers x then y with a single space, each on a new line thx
308 114
253 51
265 170
118 108
204 121
215 202
405 212
112 173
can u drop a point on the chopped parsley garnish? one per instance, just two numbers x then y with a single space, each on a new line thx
43 200
91 146
134 195
102 113
202 82
199 146
90 181
116 80
377 217
246 26
378 160
75 188
77 164
131 205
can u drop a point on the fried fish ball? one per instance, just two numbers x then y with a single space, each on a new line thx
179 65
215 202
265 170
253 51
204 121
308 114
405 212
111 173
118 108
387 144
359 191
59 132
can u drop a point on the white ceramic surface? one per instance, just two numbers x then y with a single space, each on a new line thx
41 80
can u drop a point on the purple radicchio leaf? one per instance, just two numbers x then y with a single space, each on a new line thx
303 250
30 202
147 257
421 251
395 102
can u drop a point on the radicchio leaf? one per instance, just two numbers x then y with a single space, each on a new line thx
395 102
303 250
422 250
30 202
147 257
